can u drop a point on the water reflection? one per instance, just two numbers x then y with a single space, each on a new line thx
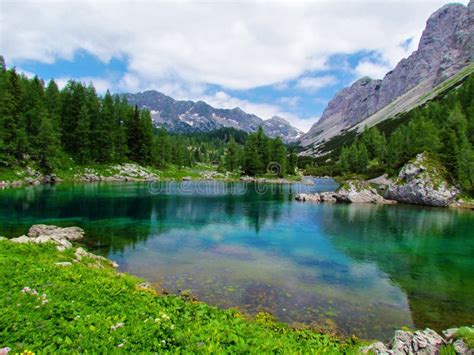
366 268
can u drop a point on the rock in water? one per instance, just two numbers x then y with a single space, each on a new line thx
327 196
422 182
358 192
308 197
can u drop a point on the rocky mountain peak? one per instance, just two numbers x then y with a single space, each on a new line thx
278 119
189 116
446 46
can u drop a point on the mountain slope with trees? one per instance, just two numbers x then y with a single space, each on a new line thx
443 127
446 47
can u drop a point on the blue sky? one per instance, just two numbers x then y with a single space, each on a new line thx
286 59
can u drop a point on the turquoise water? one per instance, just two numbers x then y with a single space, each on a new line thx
363 269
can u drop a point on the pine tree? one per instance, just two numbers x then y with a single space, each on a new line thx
163 148
48 145
84 136
52 102
232 156
104 130
279 156
252 164
263 150
292 162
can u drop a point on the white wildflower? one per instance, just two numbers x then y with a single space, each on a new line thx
116 326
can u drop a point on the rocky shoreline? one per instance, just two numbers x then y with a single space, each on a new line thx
425 342
421 182
117 173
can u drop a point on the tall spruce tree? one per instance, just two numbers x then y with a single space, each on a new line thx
278 156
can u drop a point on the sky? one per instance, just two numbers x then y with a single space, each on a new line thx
268 58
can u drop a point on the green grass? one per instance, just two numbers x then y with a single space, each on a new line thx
467 335
11 174
86 300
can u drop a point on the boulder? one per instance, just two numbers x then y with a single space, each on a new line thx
68 233
41 234
247 179
450 333
420 342
51 179
327 197
378 348
401 342
358 192
308 197
21 239
3 238
422 182
426 341
461 347
82 253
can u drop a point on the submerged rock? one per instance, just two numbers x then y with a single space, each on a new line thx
422 182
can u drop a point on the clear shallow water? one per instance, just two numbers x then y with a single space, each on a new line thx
367 269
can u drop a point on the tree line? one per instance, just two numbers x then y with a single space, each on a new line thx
53 128
260 155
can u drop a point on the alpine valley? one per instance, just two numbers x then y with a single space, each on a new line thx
134 222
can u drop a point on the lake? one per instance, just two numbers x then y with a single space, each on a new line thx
362 269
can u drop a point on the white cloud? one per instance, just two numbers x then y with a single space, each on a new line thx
290 101
316 83
234 45
184 48
371 69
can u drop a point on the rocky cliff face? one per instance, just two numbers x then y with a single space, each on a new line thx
446 46
190 116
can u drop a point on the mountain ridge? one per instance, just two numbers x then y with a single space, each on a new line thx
445 48
185 116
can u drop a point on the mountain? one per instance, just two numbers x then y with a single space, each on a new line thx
190 116
446 49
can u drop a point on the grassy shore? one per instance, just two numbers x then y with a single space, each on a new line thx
76 173
89 307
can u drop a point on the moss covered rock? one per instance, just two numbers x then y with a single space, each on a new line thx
422 181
